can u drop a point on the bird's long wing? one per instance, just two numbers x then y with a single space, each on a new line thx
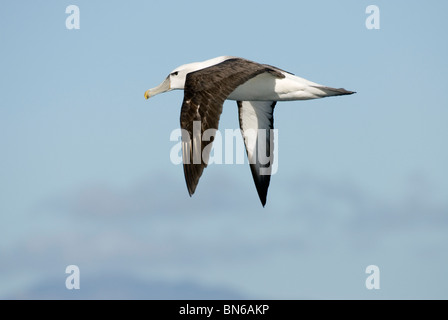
204 94
257 123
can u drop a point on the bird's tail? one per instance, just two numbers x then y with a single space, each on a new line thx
323 91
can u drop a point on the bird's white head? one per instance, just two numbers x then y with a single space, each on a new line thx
175 80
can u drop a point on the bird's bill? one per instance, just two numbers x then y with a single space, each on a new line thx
163 87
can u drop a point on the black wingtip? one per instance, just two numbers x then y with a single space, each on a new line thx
190 180
261 184
262 194
190 190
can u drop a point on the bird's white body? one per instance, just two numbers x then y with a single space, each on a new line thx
265 87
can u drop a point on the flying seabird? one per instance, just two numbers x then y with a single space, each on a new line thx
256 88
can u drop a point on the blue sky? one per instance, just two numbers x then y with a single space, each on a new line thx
86 177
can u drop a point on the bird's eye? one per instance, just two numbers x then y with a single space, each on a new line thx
174 73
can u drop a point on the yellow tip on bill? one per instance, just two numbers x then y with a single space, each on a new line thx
147 94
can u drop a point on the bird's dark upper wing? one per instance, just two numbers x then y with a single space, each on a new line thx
204 94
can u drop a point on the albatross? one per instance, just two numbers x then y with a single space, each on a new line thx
256 88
